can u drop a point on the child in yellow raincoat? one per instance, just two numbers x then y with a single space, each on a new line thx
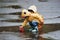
33 18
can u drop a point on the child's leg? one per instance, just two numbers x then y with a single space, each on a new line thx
34 27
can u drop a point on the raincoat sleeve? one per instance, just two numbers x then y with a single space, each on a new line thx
24 23
40 19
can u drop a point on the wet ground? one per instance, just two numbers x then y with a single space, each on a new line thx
18 36
28 36
49 32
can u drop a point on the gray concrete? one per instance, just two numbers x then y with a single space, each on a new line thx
52 35
5 24
22 36
9 10
9 17
15 36
10 36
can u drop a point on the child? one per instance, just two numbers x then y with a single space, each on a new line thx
33 18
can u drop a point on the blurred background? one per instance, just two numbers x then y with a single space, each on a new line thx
10 19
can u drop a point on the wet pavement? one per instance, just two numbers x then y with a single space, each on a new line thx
49 32
27 36
52 35
9 36
18 36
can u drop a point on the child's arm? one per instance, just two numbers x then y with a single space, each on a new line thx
21 28
24 23
40 19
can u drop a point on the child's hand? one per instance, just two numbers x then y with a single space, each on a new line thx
21 29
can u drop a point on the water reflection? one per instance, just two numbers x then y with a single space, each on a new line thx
30 36
20 36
